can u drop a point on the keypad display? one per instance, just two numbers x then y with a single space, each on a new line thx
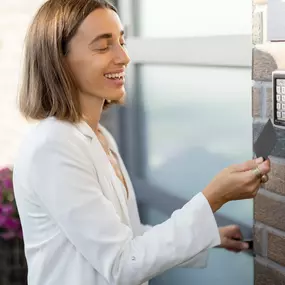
280 99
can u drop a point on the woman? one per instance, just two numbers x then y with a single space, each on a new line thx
75 199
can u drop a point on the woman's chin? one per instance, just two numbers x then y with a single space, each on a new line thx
119 97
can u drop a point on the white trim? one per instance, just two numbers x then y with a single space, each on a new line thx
233 51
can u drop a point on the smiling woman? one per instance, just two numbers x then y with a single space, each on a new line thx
75 198
91 58
89 53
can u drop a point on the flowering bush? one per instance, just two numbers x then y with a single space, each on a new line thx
10 226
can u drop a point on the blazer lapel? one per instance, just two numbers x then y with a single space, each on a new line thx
106 171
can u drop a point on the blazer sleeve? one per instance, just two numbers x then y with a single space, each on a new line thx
198 261
65 180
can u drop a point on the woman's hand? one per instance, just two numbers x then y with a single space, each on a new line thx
236 182
231 239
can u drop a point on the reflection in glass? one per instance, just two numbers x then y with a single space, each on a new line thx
198 121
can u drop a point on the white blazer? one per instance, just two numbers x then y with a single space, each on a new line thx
78 225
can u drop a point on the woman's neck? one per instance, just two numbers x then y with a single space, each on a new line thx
92 107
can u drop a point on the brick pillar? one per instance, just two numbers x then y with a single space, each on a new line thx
269 205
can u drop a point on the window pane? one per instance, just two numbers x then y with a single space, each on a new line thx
198 121
187 18
233 269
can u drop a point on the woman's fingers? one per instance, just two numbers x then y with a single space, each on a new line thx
235 245
240 181
260 170
247 165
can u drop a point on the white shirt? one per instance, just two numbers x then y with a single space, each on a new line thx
79 228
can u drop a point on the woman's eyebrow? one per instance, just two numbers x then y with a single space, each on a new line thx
104 36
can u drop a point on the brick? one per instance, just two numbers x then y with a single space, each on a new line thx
276 248
269 103
279 149
276 182
268 57
265 275
257 28
269 210
259 240
256 102
256 129
263 65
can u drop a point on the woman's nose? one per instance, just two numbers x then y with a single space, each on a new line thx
121 56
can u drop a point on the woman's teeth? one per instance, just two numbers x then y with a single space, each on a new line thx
115 75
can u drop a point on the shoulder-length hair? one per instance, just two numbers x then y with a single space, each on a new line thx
48 87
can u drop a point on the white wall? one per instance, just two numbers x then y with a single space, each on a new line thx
15 16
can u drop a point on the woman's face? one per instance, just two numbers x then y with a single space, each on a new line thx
97 56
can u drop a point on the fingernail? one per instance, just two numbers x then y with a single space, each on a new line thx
245 245
259 160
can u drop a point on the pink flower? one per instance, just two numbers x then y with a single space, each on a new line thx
2 220
11 224
7 209
5 173
8 183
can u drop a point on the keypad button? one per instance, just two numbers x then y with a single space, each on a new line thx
278 114
283 115
278 89
283 107
283 98
283 89
278 105
278 97
280 82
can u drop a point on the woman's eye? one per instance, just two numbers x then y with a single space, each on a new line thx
123 44
103 49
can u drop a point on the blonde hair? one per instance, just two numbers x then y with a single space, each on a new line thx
48 87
